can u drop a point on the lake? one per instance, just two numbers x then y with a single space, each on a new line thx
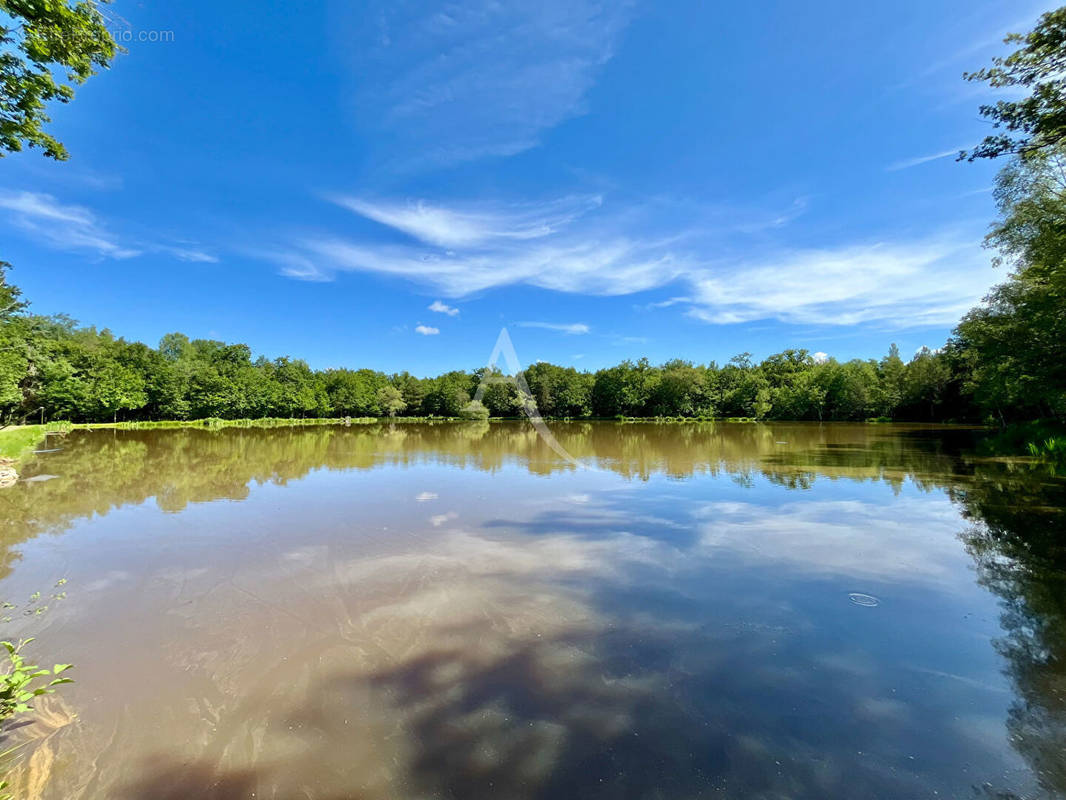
454 610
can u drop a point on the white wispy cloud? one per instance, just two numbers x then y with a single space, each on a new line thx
76 228
672 301
574 328
472 227
909 284
68 174
480 79
189 254
907 163
535 244
426 330
294 265
607 266
776 220
65 227
899 282
443 308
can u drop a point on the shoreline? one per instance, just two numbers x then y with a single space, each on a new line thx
17 441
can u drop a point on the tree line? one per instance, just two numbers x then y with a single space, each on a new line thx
87 375
1005 361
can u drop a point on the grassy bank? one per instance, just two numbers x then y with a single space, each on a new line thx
214 423
18 442
13 441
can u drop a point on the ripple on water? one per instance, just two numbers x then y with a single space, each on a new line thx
860 599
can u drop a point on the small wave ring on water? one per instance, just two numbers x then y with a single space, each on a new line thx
860 599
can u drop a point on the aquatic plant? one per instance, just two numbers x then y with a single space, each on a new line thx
20 684
23 682
1052 449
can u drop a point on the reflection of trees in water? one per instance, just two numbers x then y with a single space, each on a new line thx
1018 542
102 470
107 469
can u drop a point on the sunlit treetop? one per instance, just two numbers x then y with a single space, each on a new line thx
46 48
1037 121
10 304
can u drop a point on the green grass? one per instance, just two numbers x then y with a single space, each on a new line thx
18 442
1016 438
1052 449
214 423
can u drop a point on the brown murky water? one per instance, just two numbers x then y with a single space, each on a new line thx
453 611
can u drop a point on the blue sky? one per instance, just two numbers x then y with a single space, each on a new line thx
387 184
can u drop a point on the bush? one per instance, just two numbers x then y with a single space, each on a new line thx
474 410
1053 449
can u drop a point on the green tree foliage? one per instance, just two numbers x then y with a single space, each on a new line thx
1011 350
390 400
1038 120
448 395
925 384
87 375
891 370
560 391
1009 354
38 40
12 340
10 304
474 411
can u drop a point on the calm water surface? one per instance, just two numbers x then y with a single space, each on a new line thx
453 611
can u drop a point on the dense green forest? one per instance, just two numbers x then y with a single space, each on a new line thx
84 374
1006 360
990 369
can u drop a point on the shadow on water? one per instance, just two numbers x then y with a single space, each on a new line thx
633 710
1018 543
624 715
661 695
